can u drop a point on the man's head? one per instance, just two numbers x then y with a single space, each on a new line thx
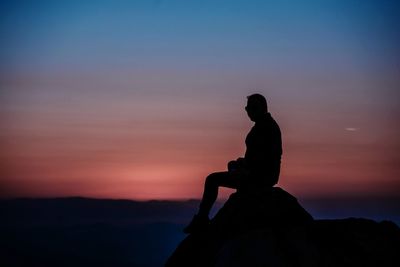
256 106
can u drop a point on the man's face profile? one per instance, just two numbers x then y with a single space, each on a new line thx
254 110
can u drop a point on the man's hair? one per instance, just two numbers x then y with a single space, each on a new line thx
259 99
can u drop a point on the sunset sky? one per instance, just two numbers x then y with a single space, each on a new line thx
142 99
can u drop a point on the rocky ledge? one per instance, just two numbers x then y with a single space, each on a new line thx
272 229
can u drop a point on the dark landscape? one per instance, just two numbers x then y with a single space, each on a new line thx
101 232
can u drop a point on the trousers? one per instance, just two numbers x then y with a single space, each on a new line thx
229 179
236 179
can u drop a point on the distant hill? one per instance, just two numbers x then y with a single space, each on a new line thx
88 210
78 210
90 232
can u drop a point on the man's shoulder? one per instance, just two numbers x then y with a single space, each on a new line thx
268 122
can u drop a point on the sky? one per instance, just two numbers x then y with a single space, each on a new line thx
143 99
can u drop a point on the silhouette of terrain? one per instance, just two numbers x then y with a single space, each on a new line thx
103 232
272 229
89 232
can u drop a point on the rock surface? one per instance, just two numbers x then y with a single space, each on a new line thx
272 229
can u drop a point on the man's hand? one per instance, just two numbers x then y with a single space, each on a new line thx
240 163
232 165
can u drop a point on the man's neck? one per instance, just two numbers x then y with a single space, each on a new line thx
262 117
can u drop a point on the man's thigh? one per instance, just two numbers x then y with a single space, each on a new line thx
226 179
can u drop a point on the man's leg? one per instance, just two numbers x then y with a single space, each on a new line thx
210 194
213 181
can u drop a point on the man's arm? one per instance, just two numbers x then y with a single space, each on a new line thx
239 163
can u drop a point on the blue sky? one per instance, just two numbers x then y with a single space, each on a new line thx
90 34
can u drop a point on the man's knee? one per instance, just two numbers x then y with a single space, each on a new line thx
212 180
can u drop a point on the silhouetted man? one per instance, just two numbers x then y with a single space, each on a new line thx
259 169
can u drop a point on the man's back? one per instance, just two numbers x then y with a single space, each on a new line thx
264 151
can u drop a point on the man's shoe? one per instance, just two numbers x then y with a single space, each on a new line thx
197 224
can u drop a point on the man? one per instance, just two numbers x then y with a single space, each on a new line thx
258 169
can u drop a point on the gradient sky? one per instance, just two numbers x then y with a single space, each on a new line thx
142 99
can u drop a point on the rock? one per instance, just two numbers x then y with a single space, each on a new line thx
272 229
347 242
